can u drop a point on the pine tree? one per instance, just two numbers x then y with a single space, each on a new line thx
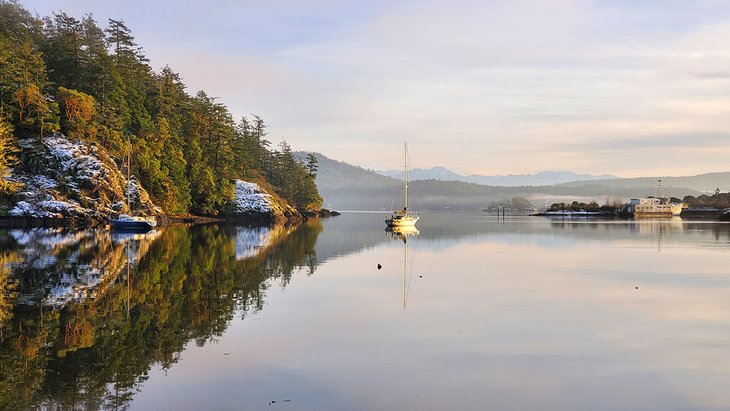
8 154
97 84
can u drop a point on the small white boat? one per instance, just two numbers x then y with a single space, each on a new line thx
402 217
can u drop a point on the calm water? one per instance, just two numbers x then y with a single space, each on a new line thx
485 314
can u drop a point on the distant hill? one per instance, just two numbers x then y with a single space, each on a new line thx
703 182
348 187
433 173
509 180
335 174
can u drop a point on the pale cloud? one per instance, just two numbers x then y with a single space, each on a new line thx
480 87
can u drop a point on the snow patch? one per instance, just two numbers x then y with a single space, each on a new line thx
250 198
75 180
47 209
76 158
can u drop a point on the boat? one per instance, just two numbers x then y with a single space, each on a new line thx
659 206
654 207
132 222
403 218
127 221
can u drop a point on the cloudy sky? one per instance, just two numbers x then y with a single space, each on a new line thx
625 87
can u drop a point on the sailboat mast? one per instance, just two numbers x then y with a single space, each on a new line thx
405 176
129 159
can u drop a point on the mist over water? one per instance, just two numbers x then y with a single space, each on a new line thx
473 312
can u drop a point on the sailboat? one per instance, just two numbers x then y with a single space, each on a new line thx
127 221
403 218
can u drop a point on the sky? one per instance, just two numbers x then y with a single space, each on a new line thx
625 87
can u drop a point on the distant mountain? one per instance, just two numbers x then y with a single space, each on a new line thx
433 173
509 180
347 187
707 183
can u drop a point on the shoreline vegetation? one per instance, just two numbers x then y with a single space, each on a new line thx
80 104
704 207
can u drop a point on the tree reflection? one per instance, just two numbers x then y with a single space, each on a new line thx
77 332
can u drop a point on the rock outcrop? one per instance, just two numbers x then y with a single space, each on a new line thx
251 203
74 181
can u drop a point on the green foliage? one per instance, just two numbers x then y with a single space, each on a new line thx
186 149
516 203
717 200
293 180
8 155
78 112
576 206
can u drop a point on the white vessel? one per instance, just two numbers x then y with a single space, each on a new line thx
402 217
653 207
659 206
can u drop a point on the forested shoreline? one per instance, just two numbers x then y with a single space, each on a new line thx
94 84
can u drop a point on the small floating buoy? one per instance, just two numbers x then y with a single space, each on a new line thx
637 288
420 276
379 266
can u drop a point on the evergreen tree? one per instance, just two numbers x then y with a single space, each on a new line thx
22 69
62 50
96 84
8 154
312 165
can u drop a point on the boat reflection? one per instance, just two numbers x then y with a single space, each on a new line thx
403 233
122 236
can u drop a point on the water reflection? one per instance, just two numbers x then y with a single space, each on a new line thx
403 234
86 314
346 236
87 317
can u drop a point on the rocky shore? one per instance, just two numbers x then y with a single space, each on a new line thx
62 182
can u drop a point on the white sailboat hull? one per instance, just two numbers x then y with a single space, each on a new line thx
401 220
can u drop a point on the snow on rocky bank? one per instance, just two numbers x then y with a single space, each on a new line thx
251 201
251 198
72 179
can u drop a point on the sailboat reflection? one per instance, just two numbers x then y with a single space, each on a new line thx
120 237
135 245
403 233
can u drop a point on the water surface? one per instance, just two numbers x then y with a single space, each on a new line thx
515 314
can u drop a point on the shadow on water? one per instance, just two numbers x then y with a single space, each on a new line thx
84 315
